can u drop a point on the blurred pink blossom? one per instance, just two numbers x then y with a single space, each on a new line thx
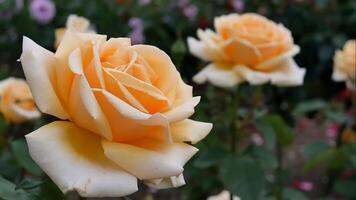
19 4
305 186
137 37
183 3
136 23
144 2
238 5
190 12
331 133
257 139
42 11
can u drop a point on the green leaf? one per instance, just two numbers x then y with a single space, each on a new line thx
309 106
266 158
29 184
209 157
346 188
20 150
50 191
268 133
339 117
8 191
283 132
313 149
322 157
178 50
243 176
292 194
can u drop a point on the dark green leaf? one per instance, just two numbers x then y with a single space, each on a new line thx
178 51
311 150
309 106
268 133
283 132
292 194
50 191
346 188
332 159
209 157
243 176
19 147
266 158
8 191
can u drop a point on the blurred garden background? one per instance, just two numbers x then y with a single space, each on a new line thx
293 143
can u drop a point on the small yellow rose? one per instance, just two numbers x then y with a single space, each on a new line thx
345 64
247 47
127 110
80 24
16 101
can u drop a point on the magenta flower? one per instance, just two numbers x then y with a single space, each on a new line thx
42 11
305 186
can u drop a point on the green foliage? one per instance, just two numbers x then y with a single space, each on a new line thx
19 147
243 176
281 129
8 191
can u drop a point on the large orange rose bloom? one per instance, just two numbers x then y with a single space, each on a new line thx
127 112
247 47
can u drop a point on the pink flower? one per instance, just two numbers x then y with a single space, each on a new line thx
257 139
144 2
190 12
305 186
137 37
183 3
238 5
42 11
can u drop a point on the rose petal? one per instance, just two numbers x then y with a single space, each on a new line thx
190 131
163 183
218 74
150 159
150 97
38 65
137 124
182 94
252 76
85 110
74 160
242 52
182 111
276 60
289 74
161 64
71 41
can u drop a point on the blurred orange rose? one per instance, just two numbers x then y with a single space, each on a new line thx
247 47
348 135
345 64
80 24
128 112
16 101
